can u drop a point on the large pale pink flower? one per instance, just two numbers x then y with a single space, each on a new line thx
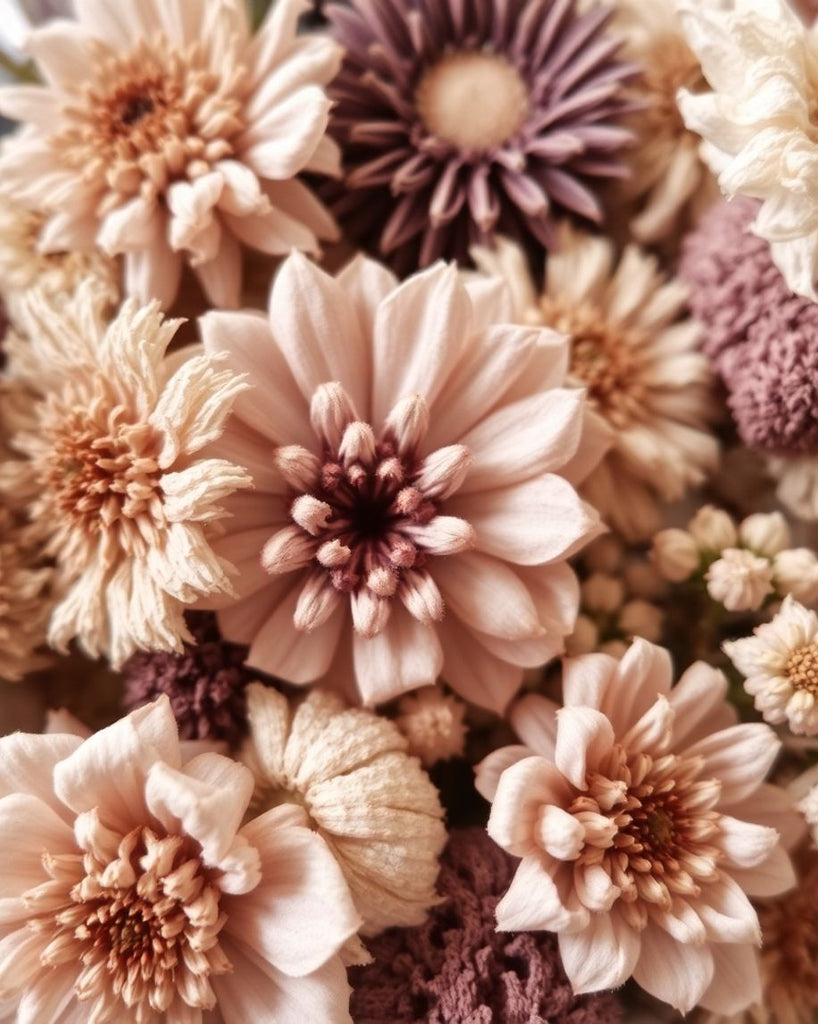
131 891
643 823
167 132
412 452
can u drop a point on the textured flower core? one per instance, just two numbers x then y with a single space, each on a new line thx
103 474
672 67
367 514
604 358
141 915
802 668
473 100
647 823
147 123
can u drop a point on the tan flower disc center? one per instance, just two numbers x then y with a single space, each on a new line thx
141 925
366 514
473 100
672 66
648 823
103 473
802 668
149 118
605 358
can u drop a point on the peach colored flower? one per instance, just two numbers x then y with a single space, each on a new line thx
412 512
111 452
168 133
132 892
643 823
371 802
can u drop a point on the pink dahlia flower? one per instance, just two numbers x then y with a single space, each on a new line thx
131 891
170 134
413 457
643 823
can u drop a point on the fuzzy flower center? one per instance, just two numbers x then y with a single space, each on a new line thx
366 514
604 358
802 668
148 118
473 100
140 919
103 473
649 823
672 66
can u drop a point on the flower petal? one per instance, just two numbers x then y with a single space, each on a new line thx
523 790
675 973
601 956
739 757
584 737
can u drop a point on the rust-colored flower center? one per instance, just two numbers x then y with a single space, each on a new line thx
649 822
141 925
102 473
475 100
802 668
605 358
366 513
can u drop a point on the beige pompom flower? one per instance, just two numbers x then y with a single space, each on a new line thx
373 804
168 133
111 453
433 723
637 355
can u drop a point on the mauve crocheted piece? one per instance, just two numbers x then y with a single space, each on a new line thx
456 969
413 197
760 338
205 684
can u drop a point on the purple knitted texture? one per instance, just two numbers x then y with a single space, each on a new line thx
456 969
761 339
205 684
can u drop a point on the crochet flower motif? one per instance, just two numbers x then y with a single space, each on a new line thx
461 120
643 823
168 133
415 515
133 892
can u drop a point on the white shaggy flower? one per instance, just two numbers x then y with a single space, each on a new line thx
636 354
112 448
739 580
758 123
780 663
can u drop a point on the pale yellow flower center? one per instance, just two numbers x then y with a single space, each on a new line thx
474 100
605 358
802 668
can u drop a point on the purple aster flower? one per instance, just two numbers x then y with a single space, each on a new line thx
205 684
458 120
457 967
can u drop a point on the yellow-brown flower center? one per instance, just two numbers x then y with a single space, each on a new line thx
474 100
605 358
802 668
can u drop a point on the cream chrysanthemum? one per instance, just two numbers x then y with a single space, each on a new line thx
759 121
780 665
668 179
111 448
372 804
170 134
636 354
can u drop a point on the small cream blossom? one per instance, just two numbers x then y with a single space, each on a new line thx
739 580
713 529
641 618
795 571
765 533
780 665
758 121
796 479
636 353
675 553
373 804
602 593
111 447
433 723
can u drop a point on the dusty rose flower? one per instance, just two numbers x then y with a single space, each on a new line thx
372 804
411 455
637 354
643 824
169 134
780 665
112 447
739 580
433 723
133 893
461 120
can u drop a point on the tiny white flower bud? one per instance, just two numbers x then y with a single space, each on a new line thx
641 618
740 580
602 593
795 571
675 554
765 533
713 529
